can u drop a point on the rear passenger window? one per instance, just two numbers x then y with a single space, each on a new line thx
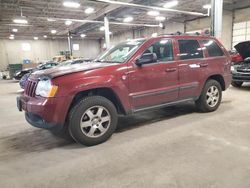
213 49
190 49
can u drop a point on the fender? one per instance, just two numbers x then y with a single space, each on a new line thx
79 82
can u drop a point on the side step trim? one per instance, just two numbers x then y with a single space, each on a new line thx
162 105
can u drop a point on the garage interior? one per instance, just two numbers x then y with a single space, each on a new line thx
170 147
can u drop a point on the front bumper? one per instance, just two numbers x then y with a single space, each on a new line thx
238 77
39 122
43 112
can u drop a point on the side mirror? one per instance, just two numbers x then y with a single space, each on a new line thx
146 59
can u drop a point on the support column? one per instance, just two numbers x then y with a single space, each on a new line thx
70 43
216 18
107 36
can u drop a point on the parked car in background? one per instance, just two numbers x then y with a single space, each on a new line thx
18 75
241 69
85 100
65 63
24 74
235 57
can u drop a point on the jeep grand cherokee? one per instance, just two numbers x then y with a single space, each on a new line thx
85 100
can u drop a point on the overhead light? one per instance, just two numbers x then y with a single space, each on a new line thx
51 20
89 10
45 36
128 19
68 22
35 38
110 33
160 18
161 25
20 21
53 31
11 38
154 34
76 47
71 37
71 4
102 28
207 6
83 35
11 35
153 13
26 47
15 30
170 4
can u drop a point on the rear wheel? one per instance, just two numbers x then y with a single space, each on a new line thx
93 120
236 84
210 98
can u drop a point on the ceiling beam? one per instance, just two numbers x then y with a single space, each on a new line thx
121 3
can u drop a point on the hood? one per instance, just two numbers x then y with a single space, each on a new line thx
244 49
69 69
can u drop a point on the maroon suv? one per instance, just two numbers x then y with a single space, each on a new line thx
86 99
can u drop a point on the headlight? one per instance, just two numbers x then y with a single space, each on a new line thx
17 73
232 69
45 88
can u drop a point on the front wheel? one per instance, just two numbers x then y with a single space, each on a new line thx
210 97
93 120
236 84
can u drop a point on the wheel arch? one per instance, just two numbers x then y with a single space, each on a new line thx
219 78
104 92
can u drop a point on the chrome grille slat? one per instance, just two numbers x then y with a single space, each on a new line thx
30 88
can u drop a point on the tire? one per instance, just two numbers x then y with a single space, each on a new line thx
236 84
210 97
63 133
93 120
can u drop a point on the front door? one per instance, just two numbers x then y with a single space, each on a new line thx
155 83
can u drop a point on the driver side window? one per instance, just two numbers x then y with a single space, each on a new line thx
163 50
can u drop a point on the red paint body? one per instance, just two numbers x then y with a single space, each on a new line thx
135 87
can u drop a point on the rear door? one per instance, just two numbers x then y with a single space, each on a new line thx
155 83
217 60
192 67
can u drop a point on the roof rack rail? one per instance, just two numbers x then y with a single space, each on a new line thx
206 33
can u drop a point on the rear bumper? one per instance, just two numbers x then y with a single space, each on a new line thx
241 77
43 112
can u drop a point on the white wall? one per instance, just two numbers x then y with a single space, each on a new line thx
170 27
12 53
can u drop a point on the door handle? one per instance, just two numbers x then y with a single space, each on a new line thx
203 65
171 69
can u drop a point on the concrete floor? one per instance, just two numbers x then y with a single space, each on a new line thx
171 147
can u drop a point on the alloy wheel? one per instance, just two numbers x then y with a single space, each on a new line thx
95 121
213 96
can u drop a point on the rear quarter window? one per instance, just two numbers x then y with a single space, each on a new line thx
190 49
213 48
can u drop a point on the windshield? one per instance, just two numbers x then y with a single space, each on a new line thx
121 52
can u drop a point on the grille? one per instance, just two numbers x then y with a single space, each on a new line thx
30 88
244 70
